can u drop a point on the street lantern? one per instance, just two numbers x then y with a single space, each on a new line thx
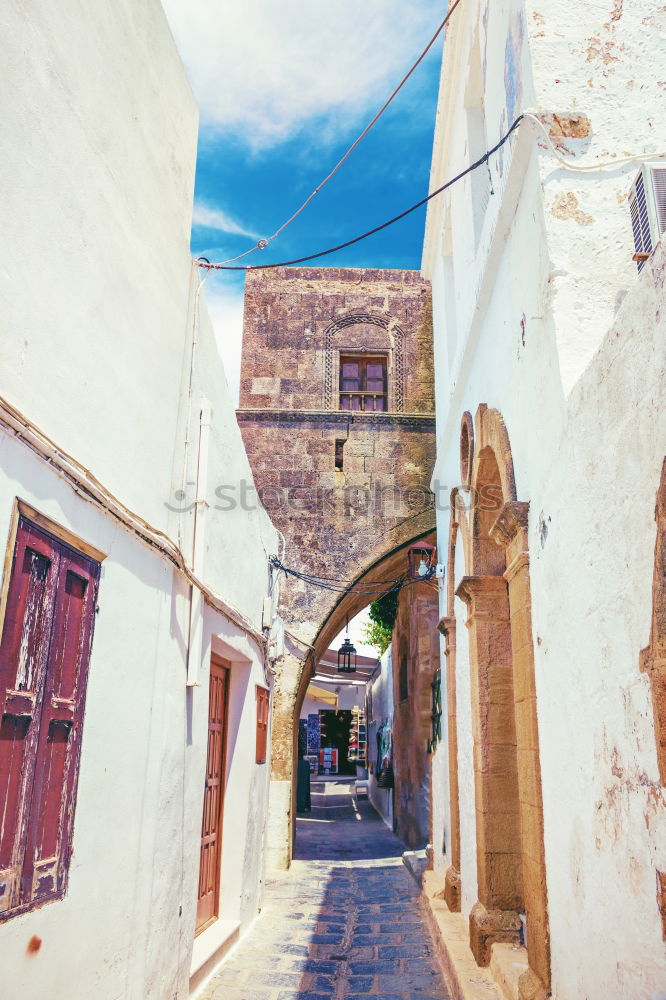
422 559
347 656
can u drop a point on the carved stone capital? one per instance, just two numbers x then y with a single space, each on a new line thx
511 519
486 598
447 626
488 926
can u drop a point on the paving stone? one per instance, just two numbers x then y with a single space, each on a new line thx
361 984
344 922
402 951
373 968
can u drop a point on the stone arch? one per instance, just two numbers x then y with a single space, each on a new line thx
395 346
510 849
330 614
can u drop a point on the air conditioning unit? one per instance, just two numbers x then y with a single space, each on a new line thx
647 204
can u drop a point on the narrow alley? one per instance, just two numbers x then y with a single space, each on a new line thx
333 500
345 921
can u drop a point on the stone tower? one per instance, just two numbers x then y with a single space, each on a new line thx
337 415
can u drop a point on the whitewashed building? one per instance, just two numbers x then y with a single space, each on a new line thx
127 582
548 785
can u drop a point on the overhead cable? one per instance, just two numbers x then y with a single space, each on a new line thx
526 116
396 218
263 243
370 588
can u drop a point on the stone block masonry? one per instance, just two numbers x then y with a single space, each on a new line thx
346 487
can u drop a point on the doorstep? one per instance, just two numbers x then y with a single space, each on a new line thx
466 979
209 949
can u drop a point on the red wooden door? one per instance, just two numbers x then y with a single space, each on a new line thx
211 826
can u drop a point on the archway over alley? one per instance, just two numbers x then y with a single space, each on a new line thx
337 414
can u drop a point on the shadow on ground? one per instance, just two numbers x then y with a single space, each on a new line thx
344 922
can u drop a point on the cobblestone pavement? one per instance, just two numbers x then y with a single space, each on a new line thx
344 922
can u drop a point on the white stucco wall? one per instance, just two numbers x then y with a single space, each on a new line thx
382 708
528 322
605 820
98 320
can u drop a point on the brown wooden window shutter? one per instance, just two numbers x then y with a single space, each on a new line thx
363 383
263 702
44 656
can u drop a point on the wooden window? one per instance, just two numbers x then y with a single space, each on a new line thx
339 455
208 896
44 657
263 702
363 383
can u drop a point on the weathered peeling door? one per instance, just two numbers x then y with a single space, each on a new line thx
211 826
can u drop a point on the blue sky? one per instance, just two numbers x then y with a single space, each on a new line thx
283 89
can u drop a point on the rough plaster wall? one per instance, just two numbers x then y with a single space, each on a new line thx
120 907
97 174
529 317
608 66
138 816
98 181
238 571
603 803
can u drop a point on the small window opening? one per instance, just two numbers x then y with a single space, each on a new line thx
403 679
339 456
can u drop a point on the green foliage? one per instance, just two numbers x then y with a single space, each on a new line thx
382 614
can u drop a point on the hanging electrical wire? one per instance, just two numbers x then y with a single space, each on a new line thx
526 116
396 218
375 588
263 243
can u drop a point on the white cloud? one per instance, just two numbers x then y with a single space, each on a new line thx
215 218
225 307
264 69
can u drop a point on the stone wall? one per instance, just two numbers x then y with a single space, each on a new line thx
415 650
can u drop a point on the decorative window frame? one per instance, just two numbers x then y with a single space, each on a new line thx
394 352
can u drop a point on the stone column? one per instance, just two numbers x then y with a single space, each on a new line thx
290 675
495 916
510 531
447 626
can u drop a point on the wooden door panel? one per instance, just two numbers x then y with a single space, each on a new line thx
211 824
24 653
56 772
